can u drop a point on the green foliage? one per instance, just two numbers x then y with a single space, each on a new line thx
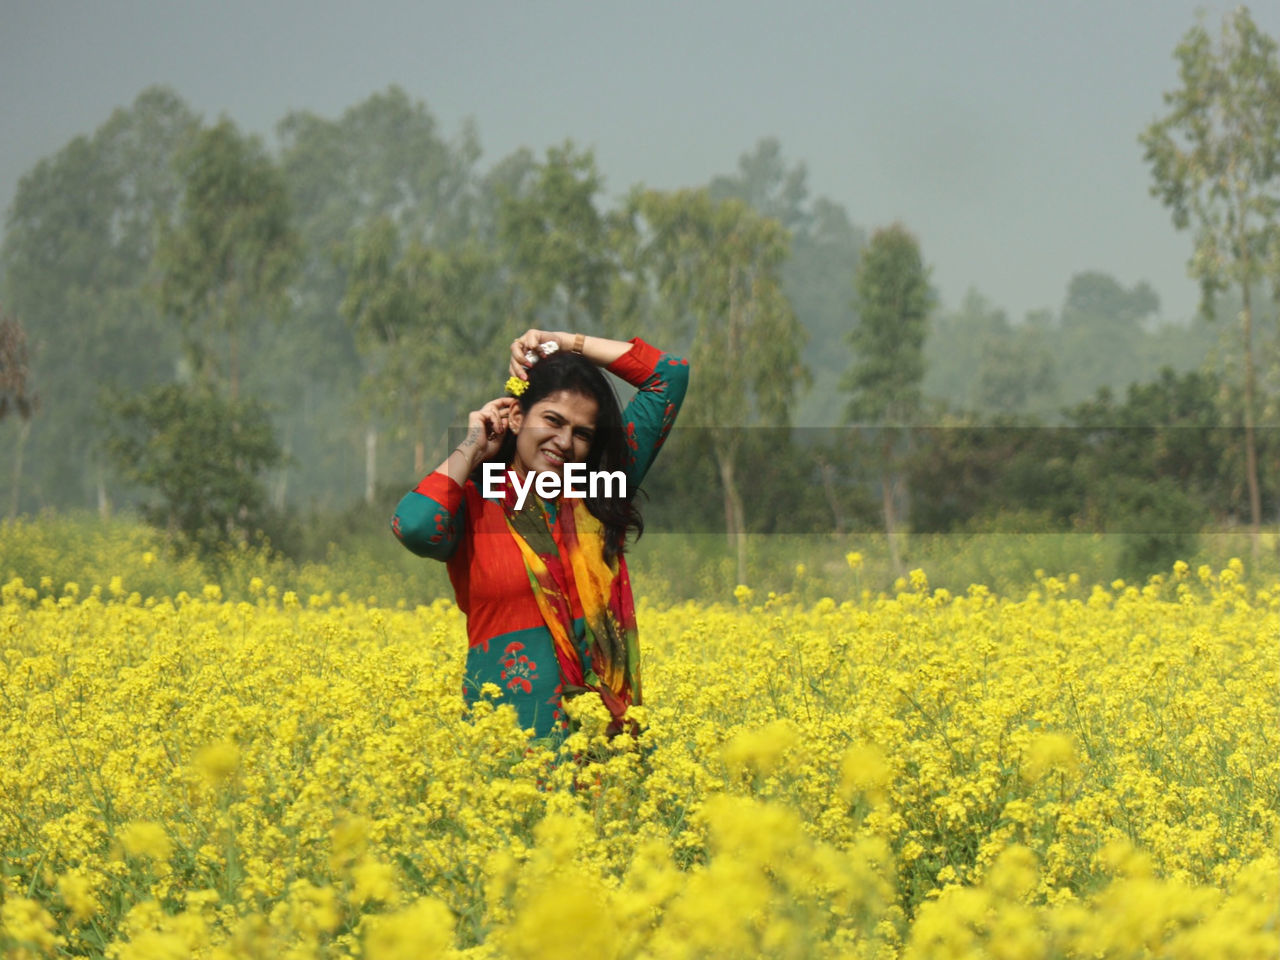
426 320
556 241
1213 155
716 267
825 246
1106 335
78 247
1214 163
202 457
233 248
892 302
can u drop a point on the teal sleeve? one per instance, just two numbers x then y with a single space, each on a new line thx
429 519
661 381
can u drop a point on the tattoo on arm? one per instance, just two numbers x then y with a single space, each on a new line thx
472 438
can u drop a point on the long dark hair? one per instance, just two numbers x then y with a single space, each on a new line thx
572 373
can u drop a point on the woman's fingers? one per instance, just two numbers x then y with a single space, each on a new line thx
495 414
524 351
521 348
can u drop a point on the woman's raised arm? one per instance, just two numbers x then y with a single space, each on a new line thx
429 518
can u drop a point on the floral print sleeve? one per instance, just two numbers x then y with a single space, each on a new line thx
430 518
660 380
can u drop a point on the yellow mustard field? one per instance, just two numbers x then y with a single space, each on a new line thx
1073 772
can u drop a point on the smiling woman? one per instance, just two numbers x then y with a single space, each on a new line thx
538 569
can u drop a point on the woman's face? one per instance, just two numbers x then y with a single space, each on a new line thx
558 429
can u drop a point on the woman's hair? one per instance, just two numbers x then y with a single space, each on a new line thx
572 373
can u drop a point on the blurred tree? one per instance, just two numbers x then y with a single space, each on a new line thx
16 394
232 251
1215 162
556 242
1093 294
1102 333
384 157
202 456
825 246
78 247
1155 467
892 303
953 350
1016 374
764 183
716 269
427 319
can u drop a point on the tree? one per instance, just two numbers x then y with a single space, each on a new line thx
426 319
16 393
203 457
78 247
892 303
765 184
385 157
556 241
1215 162
716 269
233 249
824 248
1092 294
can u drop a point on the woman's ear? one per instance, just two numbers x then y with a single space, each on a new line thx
515 419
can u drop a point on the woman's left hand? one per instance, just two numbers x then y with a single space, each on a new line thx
527 343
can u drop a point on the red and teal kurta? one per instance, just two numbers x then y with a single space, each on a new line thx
510 644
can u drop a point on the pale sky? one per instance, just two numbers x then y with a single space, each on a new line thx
1002 132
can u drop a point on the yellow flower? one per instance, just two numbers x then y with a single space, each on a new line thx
854 560
372 880
423 930
218 761
1049 753
144 839
516 387
26 922
760 751
864 770
77 893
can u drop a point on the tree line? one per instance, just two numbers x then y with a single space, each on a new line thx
221 333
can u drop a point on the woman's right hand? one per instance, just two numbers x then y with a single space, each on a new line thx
486 429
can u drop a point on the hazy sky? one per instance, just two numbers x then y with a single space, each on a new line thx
1002 133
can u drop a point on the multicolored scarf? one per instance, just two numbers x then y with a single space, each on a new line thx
604 591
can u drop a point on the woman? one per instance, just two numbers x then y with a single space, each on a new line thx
544 585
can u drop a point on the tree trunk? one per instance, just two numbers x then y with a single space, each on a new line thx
370 463
104 501
890 514
734 520
829 490
234 372
24 430
282 481
1250 442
